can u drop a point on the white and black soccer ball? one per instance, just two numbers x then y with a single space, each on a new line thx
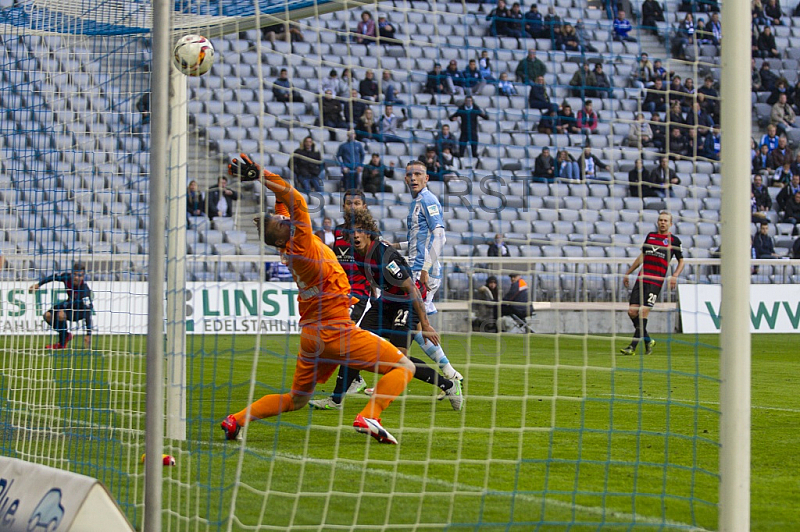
193 55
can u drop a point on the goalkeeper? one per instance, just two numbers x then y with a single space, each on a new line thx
329 338
77 307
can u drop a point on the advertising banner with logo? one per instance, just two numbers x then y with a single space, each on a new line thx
773 308
121 308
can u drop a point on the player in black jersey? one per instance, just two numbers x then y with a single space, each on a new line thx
77 306
343 249
395 314
658 250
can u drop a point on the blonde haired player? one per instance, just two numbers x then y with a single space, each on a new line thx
328 338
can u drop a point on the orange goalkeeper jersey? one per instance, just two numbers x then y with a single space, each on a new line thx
323 289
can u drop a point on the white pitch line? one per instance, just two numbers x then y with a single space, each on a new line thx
684 401
592 510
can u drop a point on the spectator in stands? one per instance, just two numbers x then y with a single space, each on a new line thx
642 74
659 71
366 30
538 97
374 174
219 200
712 144
332 113
783 175
367 127
678 143
676 90
505 87
796 164
386 32
468 114
389 89
530 68
782 116
589 165
773 12
354 109
332 83
433 164
544 167
438 82
306 166
622 28
791 211
549 122
697 117
656 99
582 82
781 87
454 74
584 39
568 40
498 248
640 134
534 24
514 22
660 180
768 77
389 123
566 166
675 117
763 200
143 106
770 138
485 66
473 79
517 301
326 233
762 162
348 84
766 43
284 31
368 88
782 154
445 139
602 84
282 90
659 132
688 95
703 35
568 119
684 37
195 203
787 192
350 157
498 18
552 22
763 244
652 13
486 314
587 118
715 27
636 178
796 249
711 100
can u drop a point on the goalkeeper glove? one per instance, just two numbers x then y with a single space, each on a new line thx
245 169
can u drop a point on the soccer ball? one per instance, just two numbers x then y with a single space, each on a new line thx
193 55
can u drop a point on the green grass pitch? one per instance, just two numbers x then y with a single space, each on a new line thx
558 432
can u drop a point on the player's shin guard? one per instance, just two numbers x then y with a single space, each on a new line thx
435 353
637 331
645 334
267 406
425 373
388 388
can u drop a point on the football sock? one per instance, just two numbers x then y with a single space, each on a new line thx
388 388
435 353
344 379
267 406
425 373
61 327
637 331
645 334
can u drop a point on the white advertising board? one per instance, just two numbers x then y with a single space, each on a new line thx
773 308
121 308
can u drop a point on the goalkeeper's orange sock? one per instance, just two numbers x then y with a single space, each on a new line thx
267 406
388 388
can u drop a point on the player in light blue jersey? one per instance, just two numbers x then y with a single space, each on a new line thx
426 239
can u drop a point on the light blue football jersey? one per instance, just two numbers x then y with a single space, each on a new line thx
424 215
